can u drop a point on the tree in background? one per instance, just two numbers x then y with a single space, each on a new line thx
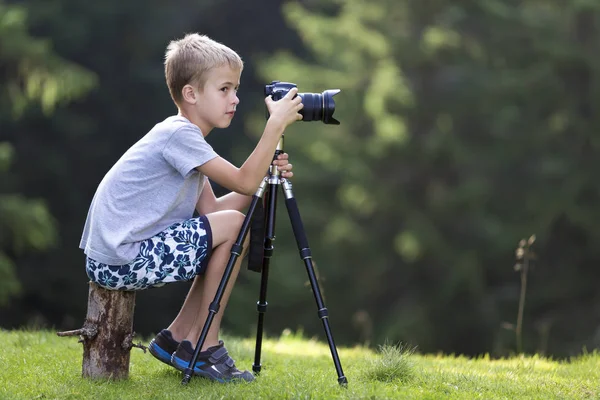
465 126
32 75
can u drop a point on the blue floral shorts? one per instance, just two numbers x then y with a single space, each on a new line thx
176 254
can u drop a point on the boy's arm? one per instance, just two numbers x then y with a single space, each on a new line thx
245 180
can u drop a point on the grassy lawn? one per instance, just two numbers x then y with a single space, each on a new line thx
40 365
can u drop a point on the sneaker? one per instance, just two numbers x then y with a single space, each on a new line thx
163 346
214 363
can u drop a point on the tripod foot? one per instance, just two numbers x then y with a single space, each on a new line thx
256 369
187 375
343 381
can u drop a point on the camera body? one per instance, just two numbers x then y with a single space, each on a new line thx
278 89
317 106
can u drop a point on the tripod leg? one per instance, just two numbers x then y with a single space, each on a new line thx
213 309
261 305
306 256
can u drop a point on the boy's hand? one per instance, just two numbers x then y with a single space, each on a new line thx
286 109
283 165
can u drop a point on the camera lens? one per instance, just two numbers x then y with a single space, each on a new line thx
319 107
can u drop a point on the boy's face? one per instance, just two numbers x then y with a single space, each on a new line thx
217 100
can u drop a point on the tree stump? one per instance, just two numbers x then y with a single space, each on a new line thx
107 333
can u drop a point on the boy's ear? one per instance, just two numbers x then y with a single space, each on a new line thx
188 94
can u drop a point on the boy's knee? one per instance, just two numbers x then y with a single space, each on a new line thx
236 219
225 225
234 223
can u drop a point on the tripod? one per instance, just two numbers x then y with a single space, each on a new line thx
269 187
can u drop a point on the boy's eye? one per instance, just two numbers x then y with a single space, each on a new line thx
223 89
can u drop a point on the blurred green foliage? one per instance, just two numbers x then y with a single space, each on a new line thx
465 127
32 74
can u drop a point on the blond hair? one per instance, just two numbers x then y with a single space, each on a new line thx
187 60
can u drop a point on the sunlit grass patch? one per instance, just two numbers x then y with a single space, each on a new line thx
393 362
38 364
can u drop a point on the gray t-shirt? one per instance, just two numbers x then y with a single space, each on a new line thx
153 185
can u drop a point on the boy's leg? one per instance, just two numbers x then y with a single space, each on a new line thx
225 227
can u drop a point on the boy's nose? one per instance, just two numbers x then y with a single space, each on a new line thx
236 100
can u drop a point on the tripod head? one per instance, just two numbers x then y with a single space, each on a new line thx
273 173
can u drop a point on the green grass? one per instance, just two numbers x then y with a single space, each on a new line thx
40 365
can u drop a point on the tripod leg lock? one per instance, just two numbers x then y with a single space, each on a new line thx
268 251
305 253
214 307
237 249
323 313
261 307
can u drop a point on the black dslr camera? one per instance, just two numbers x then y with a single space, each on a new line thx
317 107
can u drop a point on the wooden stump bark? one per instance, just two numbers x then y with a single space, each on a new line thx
107 333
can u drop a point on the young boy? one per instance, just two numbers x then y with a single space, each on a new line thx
140 231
